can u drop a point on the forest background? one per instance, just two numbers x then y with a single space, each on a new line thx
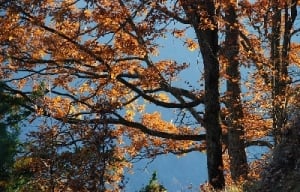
99 85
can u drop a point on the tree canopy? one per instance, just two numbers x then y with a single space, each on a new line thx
103 93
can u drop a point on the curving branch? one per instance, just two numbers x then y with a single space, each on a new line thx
121 121
177 152
157 102
156 133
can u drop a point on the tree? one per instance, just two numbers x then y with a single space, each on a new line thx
153 185
236 136
77 158
8 144
97 66
207 36
11 115
275 38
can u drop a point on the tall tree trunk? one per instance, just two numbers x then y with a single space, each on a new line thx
236 140
198 13
279 58
277 86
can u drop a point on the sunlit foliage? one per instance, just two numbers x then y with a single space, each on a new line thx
102 94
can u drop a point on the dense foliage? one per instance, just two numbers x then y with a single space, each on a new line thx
102 87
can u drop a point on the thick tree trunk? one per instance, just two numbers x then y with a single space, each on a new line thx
236 140
199 12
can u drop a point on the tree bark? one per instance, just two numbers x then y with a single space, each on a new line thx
198 13
236 139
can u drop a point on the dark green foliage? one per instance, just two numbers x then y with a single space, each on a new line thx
8 150
153 185
11 114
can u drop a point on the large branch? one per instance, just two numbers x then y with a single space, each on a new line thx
177 152
121 121
182 92
156 133
157 102
194 113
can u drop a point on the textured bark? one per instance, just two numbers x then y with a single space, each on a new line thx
282 173
208 41
236 141
277 86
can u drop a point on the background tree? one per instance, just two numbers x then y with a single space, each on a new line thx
274 38
233 101
11 115
77 158
9 145
153 185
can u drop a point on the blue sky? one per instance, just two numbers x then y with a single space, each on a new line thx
175 173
